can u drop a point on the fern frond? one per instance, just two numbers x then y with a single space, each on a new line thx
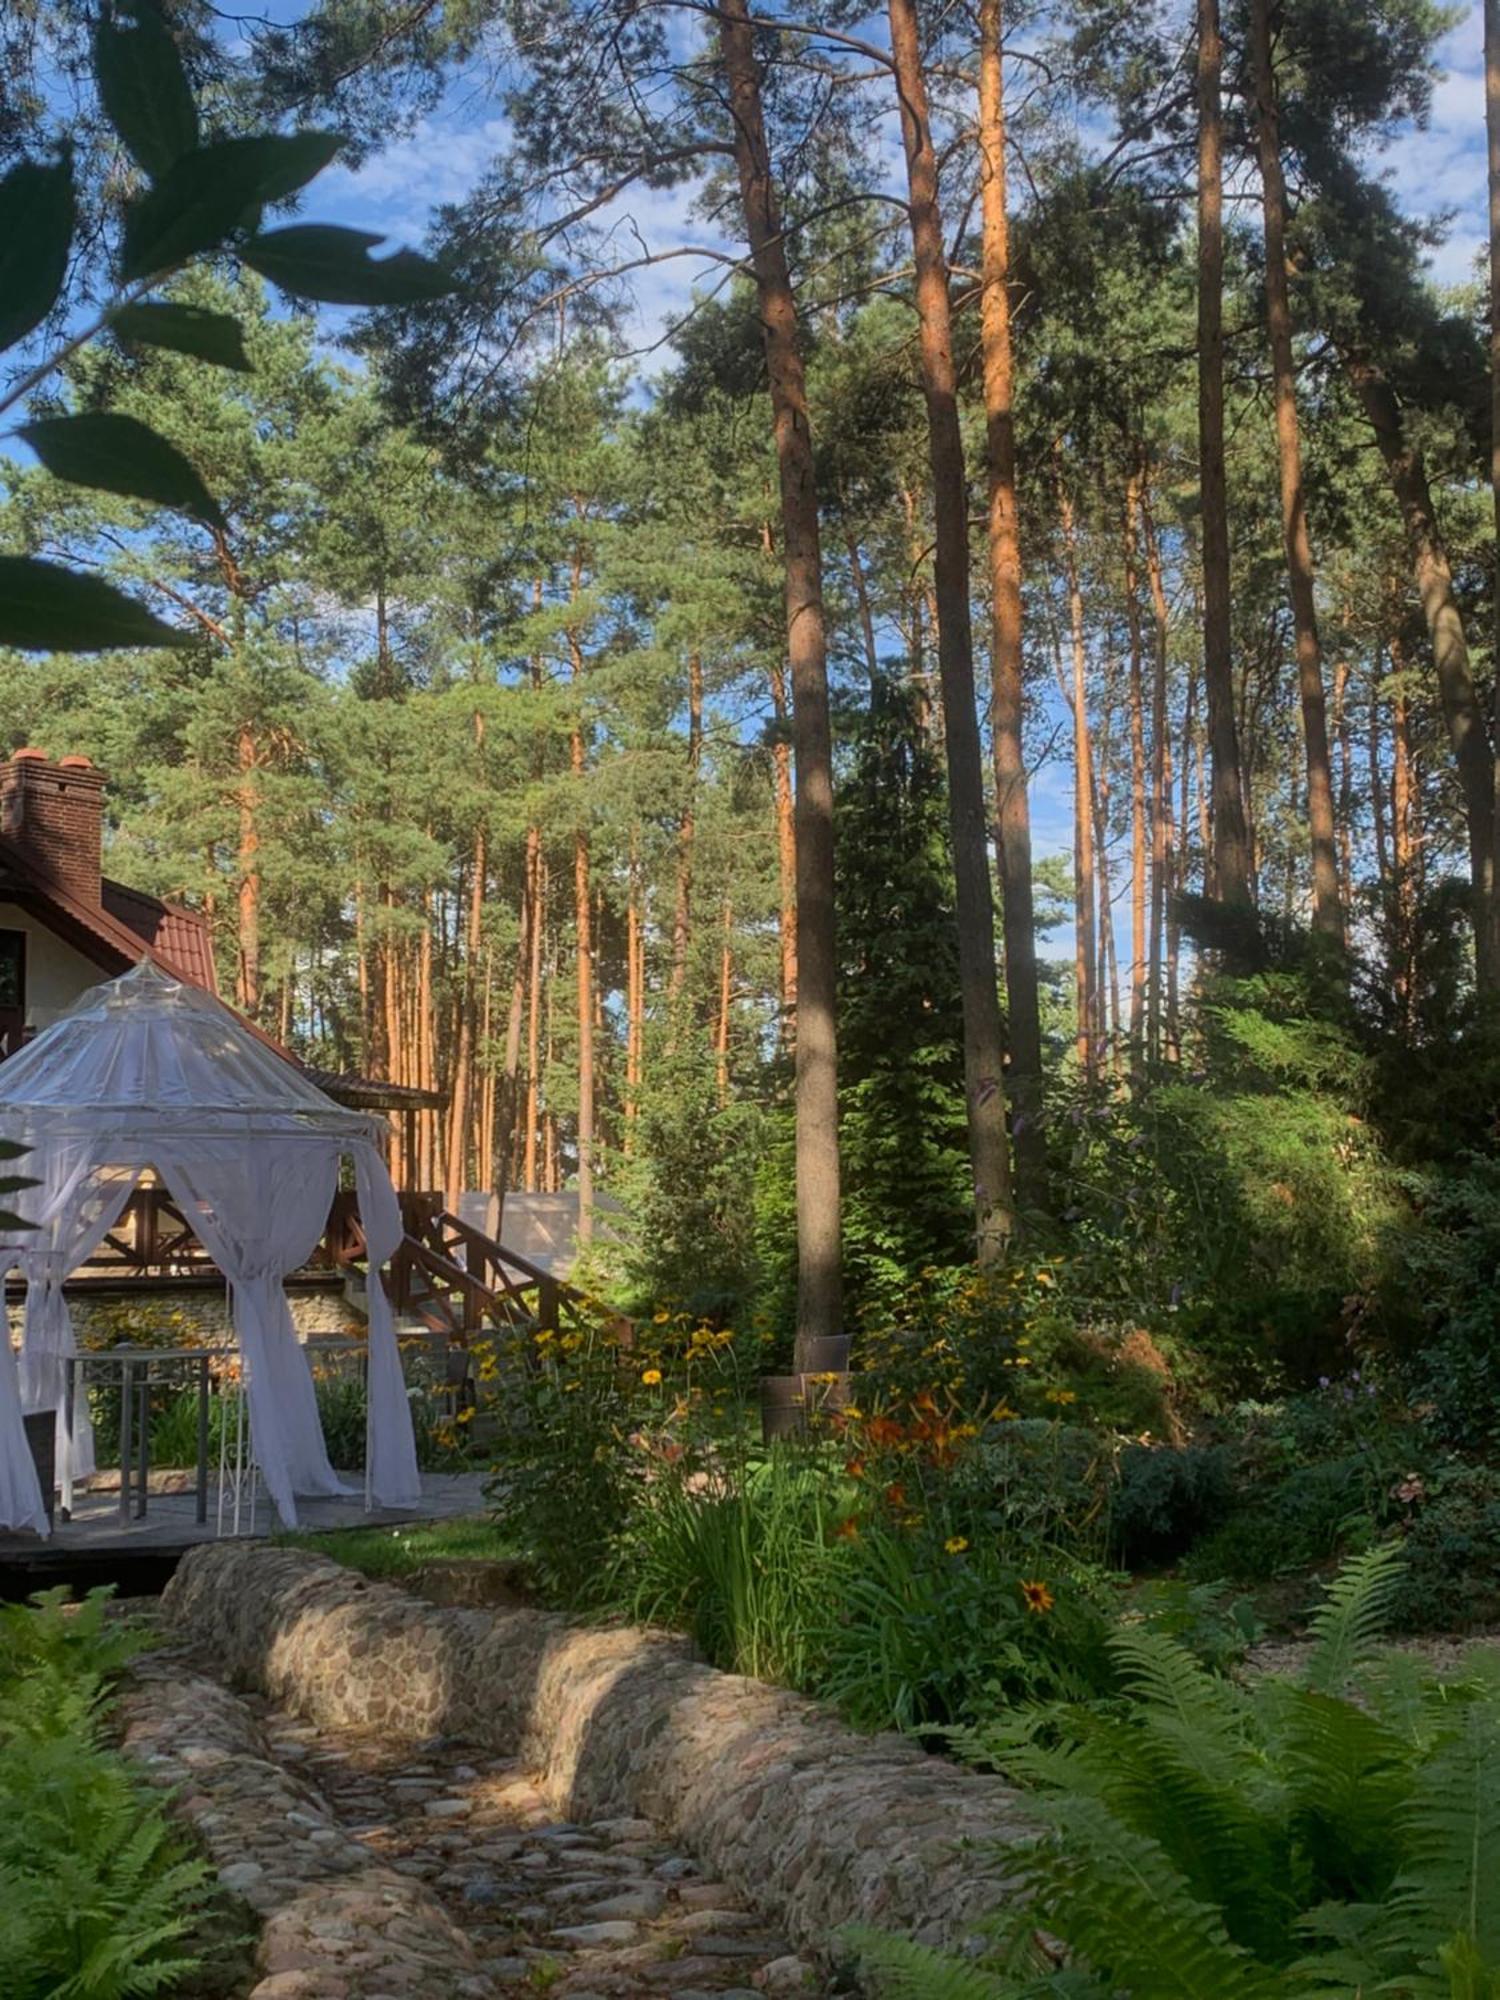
1115 1899
1450 1885
1348 1779
1348 1624
900 1968
1161 1671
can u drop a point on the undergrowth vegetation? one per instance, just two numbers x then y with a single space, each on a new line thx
100 1898
1335 1833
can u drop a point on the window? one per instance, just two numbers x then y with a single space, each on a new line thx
12 972
12 990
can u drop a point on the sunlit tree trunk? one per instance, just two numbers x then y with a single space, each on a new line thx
1007 701
635 995
1231 856
721 1027
682 913
984 1061
1138 816
1327 912
1161 776
1085 962
247 870
819 1280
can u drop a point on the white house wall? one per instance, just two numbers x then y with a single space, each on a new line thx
55 973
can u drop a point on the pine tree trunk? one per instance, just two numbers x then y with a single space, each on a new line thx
1492 138
819 1281
1231 848
721 1028
786 855
1138 838
1328 915
635 996
583 939
1085 962
682 915
1007 693
1463 711
487 1177
1180 877
1161 776
533 1027
984 1060
1377 781
1402 842
1346 781
461 1102
422 1039
866 615
247 985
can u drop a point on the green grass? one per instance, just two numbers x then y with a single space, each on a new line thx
384 1552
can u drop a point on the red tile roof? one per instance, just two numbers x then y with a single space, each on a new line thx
179 938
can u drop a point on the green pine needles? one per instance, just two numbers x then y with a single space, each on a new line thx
1332 1835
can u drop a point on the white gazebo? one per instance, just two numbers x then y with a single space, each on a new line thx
147 1072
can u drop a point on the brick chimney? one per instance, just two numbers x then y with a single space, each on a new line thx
54 814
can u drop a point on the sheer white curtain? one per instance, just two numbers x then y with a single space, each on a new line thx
21 1504
259 1208
391 1476
76 1207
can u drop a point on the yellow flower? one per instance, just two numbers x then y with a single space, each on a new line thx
1039 1599
852 1413
1061 1396
660 1319
1002 1414
955 1545
651 1376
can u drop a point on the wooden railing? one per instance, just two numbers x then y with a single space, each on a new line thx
446 1273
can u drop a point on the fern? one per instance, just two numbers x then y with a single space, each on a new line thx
905 1970
1347 1625
1450 1886
1115 1897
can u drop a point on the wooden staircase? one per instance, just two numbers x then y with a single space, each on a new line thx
459 1283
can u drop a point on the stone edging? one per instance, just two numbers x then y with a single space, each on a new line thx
334 1921
817 1825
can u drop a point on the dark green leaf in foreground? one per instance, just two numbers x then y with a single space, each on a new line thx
208 336
144 91
202 199
122 455
36 228
320 261
45 608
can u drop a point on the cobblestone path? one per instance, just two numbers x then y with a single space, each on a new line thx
608 1909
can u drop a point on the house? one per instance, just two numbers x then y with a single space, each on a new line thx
64 925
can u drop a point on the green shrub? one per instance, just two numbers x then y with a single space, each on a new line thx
1450 1539
1336 1834
1167 1498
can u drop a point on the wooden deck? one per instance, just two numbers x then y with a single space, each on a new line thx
97 1545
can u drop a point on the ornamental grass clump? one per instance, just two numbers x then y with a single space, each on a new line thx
1336 1834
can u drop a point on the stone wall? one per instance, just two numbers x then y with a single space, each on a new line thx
816 1824
334 1922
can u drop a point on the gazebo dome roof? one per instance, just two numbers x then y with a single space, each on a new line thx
152 1052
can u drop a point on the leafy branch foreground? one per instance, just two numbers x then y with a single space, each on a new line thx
1333 1834
100 1899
